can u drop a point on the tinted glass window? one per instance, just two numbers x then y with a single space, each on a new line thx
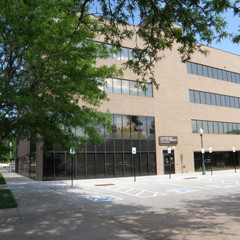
229 76
200 70
117 86
208 98
215 127
133 89
233 77
189 67
149 90
220 127
224 75
117 56
124 54
194 68
210 127
202 95
220 74
205 71
205 126
230 128
236 100
237 78
194 126
126 127
191 95
129 53
210 72
238 127
117 127
218 100
215 73
125 87
199 125
223 101
142 127
151 128
213 99
225 127
234 128
232 102
227 101
141 92
197 97
108 87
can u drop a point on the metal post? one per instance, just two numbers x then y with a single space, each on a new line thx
234 162
72 170
170 166
10 145
203 163
134 163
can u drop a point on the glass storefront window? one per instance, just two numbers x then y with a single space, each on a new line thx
117 86
126 127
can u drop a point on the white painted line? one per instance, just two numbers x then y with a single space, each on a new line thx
140 192
222 181
237 183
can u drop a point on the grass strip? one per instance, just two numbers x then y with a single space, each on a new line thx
2 180
6 199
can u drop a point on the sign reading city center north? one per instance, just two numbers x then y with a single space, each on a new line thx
168 140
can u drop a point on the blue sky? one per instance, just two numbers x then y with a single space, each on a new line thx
226 44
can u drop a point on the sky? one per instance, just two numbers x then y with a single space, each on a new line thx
226 44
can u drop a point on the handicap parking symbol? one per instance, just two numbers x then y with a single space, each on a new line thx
103 198
182 190
222 186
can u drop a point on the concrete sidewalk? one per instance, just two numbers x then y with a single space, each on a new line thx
43 214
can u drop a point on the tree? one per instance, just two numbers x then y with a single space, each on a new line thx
49 83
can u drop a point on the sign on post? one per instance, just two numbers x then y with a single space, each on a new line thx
210 150
72 151
169 150
234 149
134 150
203 151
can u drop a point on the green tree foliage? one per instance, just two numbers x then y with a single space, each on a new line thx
49 83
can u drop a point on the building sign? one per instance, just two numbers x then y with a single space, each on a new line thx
168 140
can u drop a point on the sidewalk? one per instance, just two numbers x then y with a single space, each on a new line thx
43 214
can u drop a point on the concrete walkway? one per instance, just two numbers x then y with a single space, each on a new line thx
44 214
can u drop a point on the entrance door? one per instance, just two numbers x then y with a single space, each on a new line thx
168 162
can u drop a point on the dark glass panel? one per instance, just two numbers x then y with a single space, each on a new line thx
213 99
136 163
191 96
215 127
149 92
69 166
142 127
194 126
126 126
197 97
227 101
210 128
125 87
48 166
220 128
189 67
111 133
81 166
100 130
119 164
117 121
144 164
151 128
238 126
119 145
202 96
225 127
60 171
108 88
133 89
237 76
135 143
223 101
152 145
109 145
127 164
117 86
109 165
135 127
127 145
152 164
235 129
208 98
90 165
100 165
101 147
90 147
144 145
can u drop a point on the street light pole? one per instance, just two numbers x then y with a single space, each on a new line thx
203 163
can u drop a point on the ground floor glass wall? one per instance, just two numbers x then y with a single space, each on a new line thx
113 158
